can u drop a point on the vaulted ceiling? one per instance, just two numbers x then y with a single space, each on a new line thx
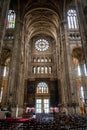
41 16
25 5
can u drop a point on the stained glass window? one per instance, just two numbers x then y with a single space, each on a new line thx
42 88
41 45
10 23
72 19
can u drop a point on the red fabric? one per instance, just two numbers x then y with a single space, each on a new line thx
17 120
22 120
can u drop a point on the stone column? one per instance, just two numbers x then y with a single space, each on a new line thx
23 72
81 7
82 26
4 7
3 15
14 75
66 57
58 68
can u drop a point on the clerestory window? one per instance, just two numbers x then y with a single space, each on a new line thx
72 19
10 23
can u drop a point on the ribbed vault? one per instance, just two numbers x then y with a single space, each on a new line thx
42 21
41 16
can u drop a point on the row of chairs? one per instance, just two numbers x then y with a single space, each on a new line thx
49 122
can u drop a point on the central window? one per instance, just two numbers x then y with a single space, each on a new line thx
42 88
41 45
42 98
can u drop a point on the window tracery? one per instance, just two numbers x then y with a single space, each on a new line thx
42 88
42 70
10 23
72 19
41 45
42 59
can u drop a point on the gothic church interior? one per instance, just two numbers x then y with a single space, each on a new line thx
43 59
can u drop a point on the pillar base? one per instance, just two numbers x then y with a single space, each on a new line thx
17 112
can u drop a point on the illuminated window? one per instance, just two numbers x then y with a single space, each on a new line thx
38 60
38 105
85 70
72 19
6 71
42 45
1 94
50 70
38 70
42 59
50 60
34 70
46 70
34 60
46 59
79 71
82 93
42 88
42 103
42 70
46 105
10 23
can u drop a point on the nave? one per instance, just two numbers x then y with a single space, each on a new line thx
43 64
45 121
